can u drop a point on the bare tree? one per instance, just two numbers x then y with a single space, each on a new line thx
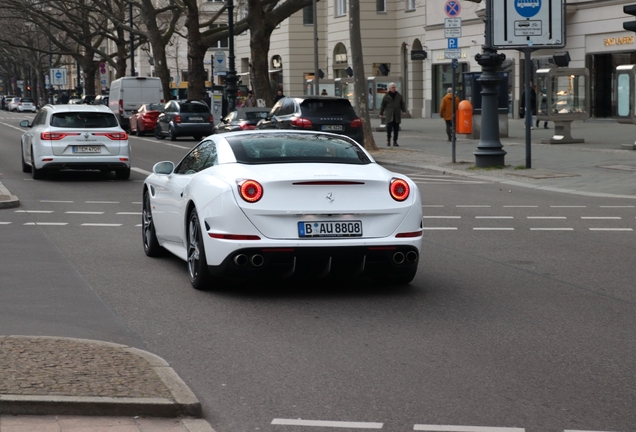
359 82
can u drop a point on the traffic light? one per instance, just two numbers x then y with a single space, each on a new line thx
630 10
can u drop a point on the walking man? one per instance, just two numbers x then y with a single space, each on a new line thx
446 111
393 105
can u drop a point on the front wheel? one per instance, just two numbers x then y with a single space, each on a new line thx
151 244
158 133
200 277
25 167
173 134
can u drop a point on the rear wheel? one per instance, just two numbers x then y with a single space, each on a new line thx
151 244
200 277
36 174
158 133
122 174
173 134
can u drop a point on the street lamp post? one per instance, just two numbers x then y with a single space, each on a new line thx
230 78
489 151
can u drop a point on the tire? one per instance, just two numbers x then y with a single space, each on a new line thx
36 174
25 167
173 134
158 133
122 174
149 235
197 137
198 273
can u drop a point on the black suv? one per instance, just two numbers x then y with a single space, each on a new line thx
185 118
319 113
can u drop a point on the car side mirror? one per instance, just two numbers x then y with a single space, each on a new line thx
165 168
25 124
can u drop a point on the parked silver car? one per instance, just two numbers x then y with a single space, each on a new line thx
75 137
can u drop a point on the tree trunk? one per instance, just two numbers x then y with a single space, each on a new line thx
196 54
259 49
359 81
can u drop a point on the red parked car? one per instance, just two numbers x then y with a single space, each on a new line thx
145 119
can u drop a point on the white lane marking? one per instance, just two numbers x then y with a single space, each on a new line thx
601 217
47 223
492 229
154 141
441 217
551 229
440 228
100 225
141 171
616 206
326 423
575 430
436 205
611 229
101 202
83 212
53 201
568 206
177 146
521 206
138 225
129 213
34 211
547 217
446 428
494 217
473 206
5 223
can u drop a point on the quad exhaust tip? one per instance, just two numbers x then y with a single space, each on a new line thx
411 256
398 257
257 260
240 260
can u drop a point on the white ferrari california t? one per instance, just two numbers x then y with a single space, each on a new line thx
283 204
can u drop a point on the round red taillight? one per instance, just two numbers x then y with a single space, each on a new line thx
250 190
399 189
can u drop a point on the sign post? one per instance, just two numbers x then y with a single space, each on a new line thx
452 31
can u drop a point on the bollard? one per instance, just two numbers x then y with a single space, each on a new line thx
465 117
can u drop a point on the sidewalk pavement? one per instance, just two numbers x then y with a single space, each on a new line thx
59 384
53 384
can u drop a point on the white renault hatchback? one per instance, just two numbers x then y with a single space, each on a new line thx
75 137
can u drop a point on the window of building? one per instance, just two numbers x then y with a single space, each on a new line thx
341 7
410 5
380 5
223 43
184 75
308 15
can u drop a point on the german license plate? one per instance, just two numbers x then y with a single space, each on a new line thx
330 229
196 118
332 127
87 149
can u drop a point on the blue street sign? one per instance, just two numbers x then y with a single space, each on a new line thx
452 8
454 63
452 43
527 8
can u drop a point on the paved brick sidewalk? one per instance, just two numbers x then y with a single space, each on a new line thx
100 424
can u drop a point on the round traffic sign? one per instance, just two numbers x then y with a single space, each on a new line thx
58 74
527 8
452 8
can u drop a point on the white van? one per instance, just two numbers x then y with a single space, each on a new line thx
127 94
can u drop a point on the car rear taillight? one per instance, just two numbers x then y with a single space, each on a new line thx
177 119
121 107
211 119
19 103
302 122
116 136
399 189
356 123
55 136
250 190
246 126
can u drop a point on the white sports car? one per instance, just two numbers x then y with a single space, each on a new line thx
283 204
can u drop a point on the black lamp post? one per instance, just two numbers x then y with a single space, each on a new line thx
489 151
132 44
230 78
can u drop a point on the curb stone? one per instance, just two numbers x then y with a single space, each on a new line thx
6 199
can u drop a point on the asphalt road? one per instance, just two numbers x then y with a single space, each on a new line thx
522 314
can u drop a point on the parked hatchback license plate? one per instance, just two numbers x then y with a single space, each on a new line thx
87 149
330 229
196 118
332 127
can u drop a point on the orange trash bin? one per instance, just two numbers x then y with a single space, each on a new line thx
465 117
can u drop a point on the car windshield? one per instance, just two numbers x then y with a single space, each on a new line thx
194 108
255 115
84 120
295 148
155 107
327 106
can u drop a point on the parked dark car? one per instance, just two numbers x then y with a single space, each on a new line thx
318 113
185 118
241 119
101 100
145 118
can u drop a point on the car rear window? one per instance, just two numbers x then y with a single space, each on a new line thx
194 108
295 148
256 115
84 120
27 100
327 106
155 107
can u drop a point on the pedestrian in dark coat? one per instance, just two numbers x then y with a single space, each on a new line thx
392 108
